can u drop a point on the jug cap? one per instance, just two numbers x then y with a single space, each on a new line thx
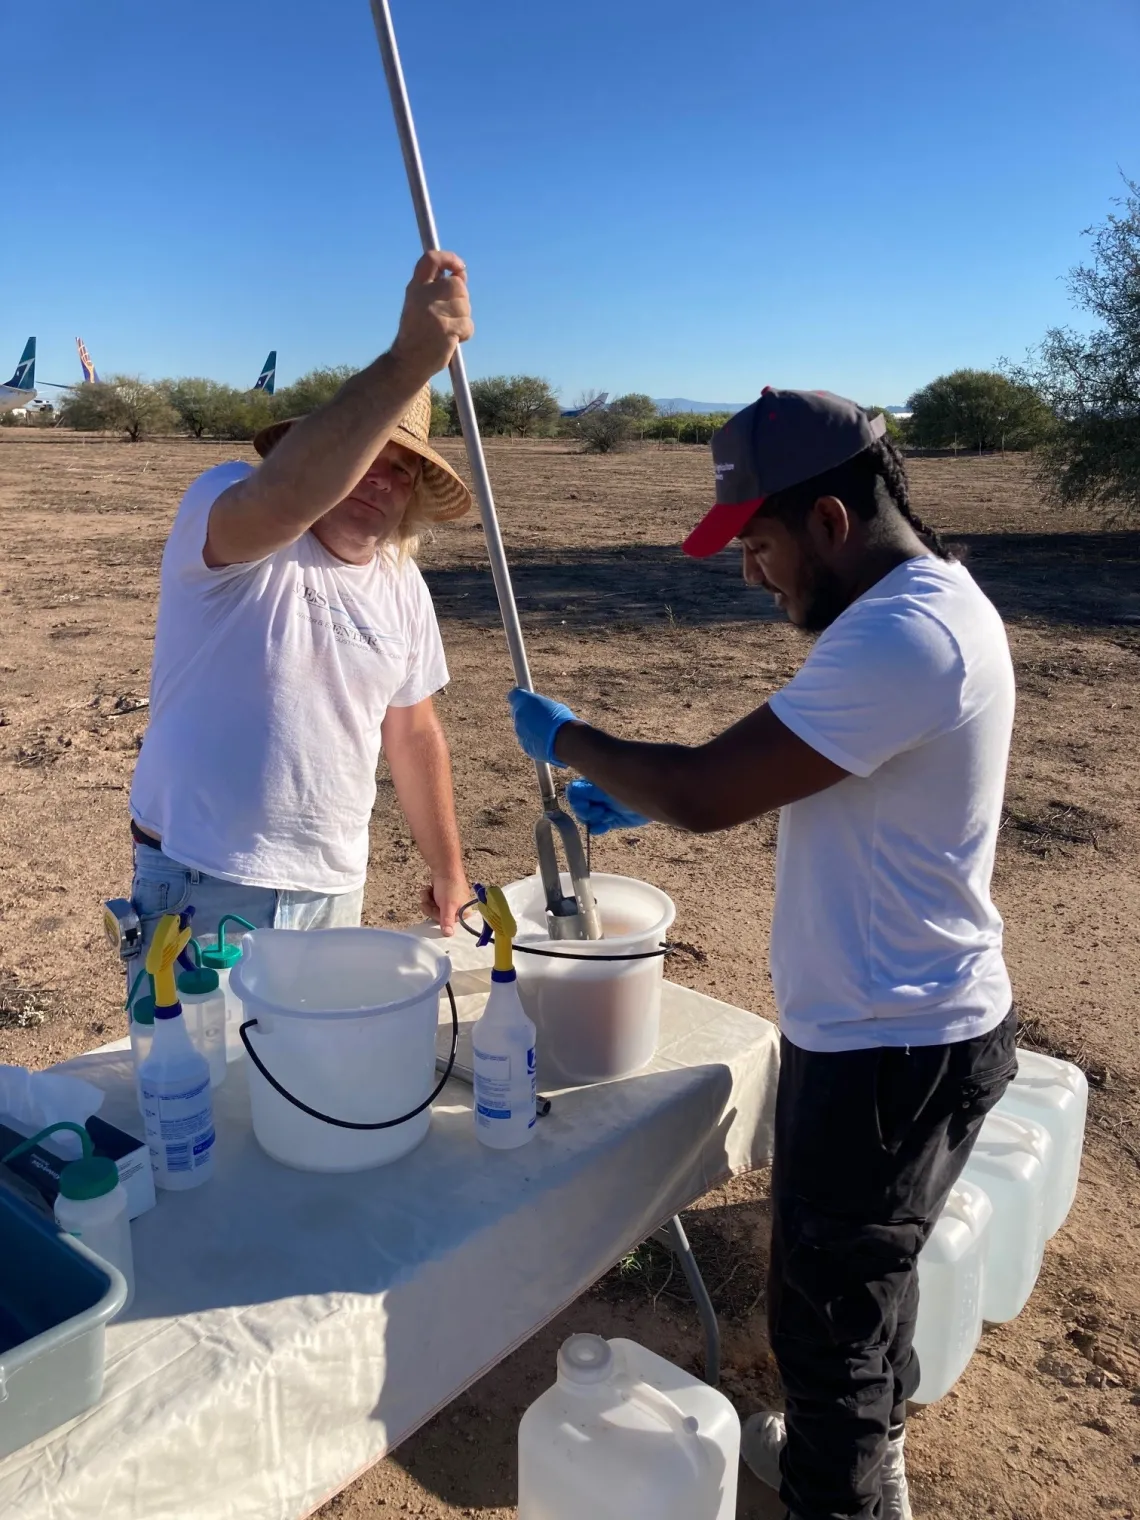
223 956
200 980
585 1359
93 1177
196 978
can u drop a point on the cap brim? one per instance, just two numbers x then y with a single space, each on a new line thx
718 527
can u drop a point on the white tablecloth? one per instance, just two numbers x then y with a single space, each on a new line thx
289 1329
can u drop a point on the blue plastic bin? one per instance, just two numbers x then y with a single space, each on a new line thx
56 1297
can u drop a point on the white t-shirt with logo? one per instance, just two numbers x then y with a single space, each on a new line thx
883 931
269 686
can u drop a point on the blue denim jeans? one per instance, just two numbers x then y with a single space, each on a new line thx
162 885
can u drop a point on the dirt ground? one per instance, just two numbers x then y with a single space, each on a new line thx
1046 1421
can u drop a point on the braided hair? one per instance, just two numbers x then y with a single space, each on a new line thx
864 483
891 471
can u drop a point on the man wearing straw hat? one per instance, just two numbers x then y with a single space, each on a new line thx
296 640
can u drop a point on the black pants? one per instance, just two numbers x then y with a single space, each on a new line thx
868 1145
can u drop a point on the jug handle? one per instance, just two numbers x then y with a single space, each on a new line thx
683 1426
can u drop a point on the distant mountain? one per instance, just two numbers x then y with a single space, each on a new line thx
681 404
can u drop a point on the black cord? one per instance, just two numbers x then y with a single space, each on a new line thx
314 1113
561 955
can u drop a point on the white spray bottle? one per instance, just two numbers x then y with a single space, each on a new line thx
503 1043
174 1079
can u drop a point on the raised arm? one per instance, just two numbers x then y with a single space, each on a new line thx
326 454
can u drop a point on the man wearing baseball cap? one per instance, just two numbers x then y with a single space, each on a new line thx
886 756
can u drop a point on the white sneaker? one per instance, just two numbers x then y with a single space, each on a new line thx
896 1495
763 1437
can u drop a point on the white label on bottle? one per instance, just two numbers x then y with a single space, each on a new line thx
179 1126
492 1086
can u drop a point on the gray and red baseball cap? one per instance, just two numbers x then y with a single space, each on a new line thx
783 438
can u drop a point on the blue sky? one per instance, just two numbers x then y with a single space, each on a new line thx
651 195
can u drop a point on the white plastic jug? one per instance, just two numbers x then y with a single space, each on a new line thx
596 1019
1056 1094
1010 1161
951 1272
623 1434
346 1022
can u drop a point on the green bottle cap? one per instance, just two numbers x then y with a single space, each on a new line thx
199 980
221 957
143 1011
93 1177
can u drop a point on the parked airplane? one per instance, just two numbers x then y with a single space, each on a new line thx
591 406
89 375
265 380
22 387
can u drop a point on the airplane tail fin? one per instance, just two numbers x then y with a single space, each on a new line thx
89 375
268 374
25 377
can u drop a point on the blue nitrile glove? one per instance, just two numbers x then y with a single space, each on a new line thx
598 810
537 721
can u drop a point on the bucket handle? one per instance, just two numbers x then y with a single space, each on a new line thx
560 955
314 1113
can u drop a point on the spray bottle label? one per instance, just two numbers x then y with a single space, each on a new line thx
492 1086
179 1126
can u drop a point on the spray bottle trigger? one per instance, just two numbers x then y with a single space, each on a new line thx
187 961
488 931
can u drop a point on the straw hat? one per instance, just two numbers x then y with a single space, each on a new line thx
443 494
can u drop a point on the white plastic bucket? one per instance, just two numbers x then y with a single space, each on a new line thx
346 1022
596 1019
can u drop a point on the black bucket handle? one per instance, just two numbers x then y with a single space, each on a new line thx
557 955
315 1113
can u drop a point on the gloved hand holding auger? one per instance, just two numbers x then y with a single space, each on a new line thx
537 721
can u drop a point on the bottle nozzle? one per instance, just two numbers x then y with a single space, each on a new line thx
499 918
170 939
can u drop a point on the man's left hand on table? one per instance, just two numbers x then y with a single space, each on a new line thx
442 899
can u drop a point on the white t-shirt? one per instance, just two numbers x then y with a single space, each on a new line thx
269 686
883 931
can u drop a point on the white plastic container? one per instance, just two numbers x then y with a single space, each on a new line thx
92 1206
142 1038
346 1022
625 1435
204 1009
1055 1094
176 1104
951 1274
502 1047
595 1019
222 958
1010 1161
